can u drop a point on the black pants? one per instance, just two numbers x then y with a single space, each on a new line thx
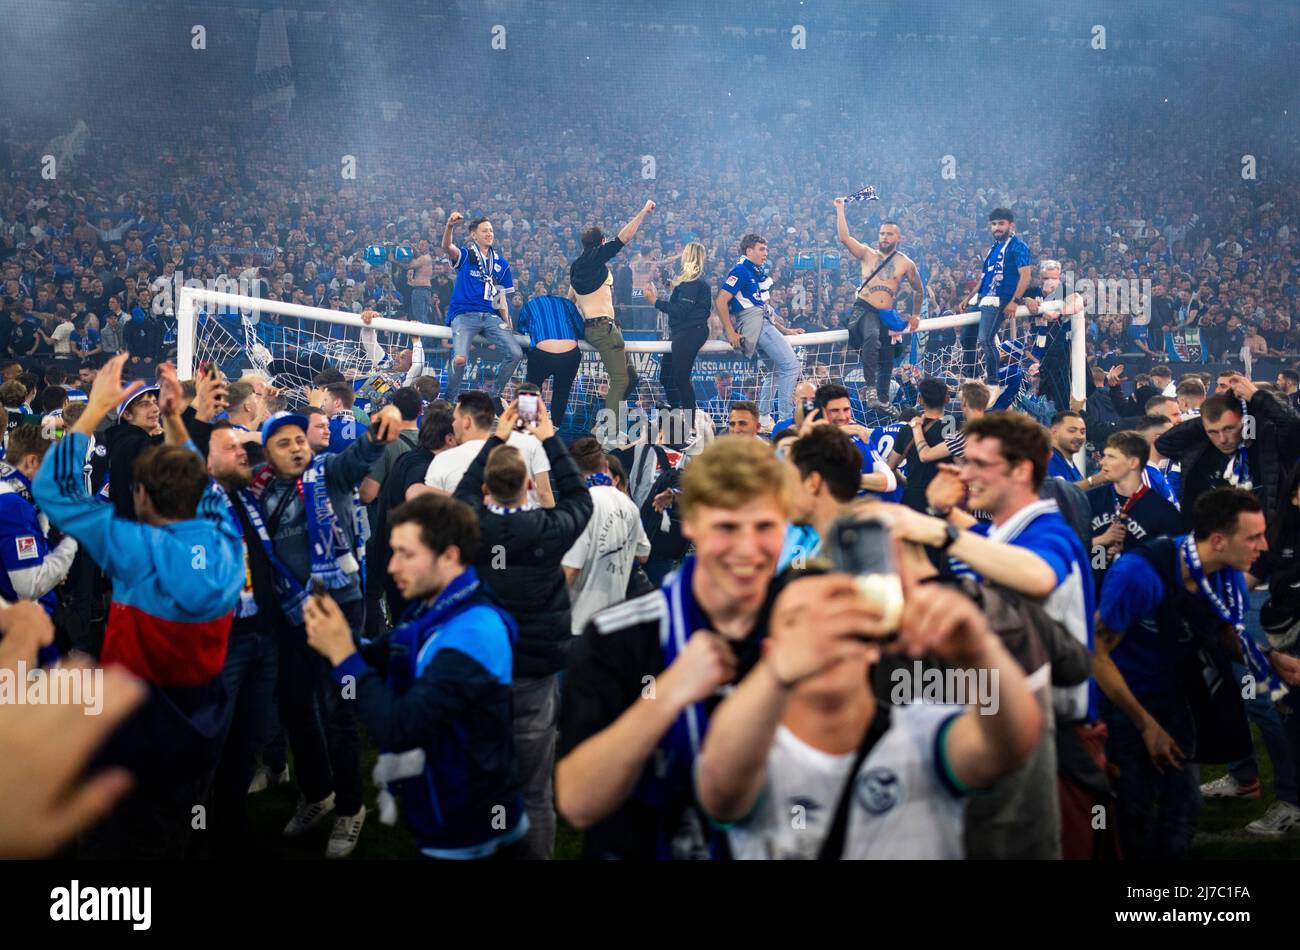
321 723
675 370
877 350
564 367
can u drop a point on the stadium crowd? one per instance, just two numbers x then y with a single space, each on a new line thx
686 649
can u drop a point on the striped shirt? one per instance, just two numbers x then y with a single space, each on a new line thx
550 318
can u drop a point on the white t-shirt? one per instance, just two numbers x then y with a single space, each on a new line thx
60 336
604 553
449 467
902 806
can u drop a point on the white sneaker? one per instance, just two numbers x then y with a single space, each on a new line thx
1280 818
307 816
1229 787
261 780
343 839
264 779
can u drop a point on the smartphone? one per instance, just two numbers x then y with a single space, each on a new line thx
808 406
865 549
528 407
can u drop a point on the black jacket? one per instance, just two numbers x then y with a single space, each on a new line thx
1277 431
519 557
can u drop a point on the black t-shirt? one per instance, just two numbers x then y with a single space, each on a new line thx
919 474
589 271
21 337
1149 516
1208 472
607 674
408 470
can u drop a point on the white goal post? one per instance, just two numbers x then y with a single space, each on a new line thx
363 352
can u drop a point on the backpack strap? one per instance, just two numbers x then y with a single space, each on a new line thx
833 847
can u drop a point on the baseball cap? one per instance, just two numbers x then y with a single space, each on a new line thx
278 420
125 404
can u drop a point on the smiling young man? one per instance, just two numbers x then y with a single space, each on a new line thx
646 674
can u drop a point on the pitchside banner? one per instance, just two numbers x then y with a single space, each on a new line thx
1184 346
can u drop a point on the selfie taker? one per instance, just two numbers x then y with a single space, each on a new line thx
871 780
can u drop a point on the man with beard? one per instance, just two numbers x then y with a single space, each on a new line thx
1069 433
1007 272
316 529
252 652
873 318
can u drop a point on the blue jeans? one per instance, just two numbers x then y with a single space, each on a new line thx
1157 811
774 346
464 328
421 297
321 723
252 661
982 335
1265 715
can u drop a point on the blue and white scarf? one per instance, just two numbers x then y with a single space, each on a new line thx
997 267
598 478
670 772
291 594
1227 594
333 561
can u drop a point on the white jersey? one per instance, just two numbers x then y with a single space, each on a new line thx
903 806
449 466
604 553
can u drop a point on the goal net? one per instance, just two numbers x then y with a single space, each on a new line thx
1042 360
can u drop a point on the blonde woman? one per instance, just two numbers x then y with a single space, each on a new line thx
688 325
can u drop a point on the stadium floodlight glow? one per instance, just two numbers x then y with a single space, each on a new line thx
302 340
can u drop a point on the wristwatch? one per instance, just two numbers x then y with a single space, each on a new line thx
951 534
934 512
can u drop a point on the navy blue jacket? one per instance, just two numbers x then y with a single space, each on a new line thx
448 692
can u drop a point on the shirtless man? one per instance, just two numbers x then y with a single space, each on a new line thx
421 277
873 316
591 287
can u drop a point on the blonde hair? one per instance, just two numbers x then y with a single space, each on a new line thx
693 255
732 471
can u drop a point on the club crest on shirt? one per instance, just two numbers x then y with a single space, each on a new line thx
878 790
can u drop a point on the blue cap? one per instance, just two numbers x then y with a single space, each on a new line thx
125 404
279 419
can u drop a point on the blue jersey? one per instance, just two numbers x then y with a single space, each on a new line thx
475 291
550 317
22 540
1040 528
1058 466
748 285
343 431
1130 594
881 441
